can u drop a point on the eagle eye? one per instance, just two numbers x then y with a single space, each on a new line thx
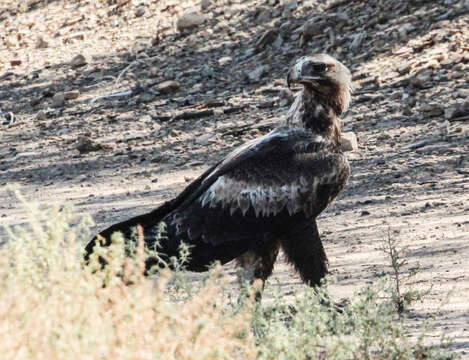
319 67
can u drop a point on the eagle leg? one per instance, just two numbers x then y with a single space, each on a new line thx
257 265
305 251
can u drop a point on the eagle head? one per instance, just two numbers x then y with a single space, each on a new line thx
325 78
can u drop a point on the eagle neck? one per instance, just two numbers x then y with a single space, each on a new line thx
319 117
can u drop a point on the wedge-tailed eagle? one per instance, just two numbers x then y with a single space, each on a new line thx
266 194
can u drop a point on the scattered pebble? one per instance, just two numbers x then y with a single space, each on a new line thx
190 20
58 100
312 28
256 74
225 60
348 141
463 93
267 38
168 86
205 4
204 139
41 43
71 95
289 8
450 112
140 11
264 14
85 145
78 60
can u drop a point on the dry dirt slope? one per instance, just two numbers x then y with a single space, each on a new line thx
410 112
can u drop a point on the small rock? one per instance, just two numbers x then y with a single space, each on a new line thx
264 14
145 118
256 74
225 60
147 97
348 141
283 102
71 95
41 43
204 4
154 72
7 118
42 115
286 97
420 81
25 155
168 86
140 11
15 62
58 100
285 29
451 112
432 109
75 36
463 93
384 136
190 20
266 38
174 133
85 145
277 44
340 17
312 28
365 213
36 100
218 112
78 60
204 139
289 9
357 40
230 11
266 104
405 29
404 67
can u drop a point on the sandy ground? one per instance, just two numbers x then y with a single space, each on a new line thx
410 112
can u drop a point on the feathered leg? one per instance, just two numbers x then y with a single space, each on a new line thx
257 265
305 251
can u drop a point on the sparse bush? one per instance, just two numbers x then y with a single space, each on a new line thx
402 294
54 307
366 327
51 307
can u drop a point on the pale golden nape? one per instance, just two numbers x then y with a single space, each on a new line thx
334 82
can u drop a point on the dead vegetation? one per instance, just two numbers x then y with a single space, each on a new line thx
53 306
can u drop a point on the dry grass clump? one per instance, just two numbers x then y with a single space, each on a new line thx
51 307
54 307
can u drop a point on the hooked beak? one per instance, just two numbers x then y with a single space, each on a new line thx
301 73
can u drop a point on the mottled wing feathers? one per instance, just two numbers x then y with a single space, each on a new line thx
284 173
281 140
283 170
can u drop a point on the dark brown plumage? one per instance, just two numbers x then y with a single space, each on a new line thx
267 193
